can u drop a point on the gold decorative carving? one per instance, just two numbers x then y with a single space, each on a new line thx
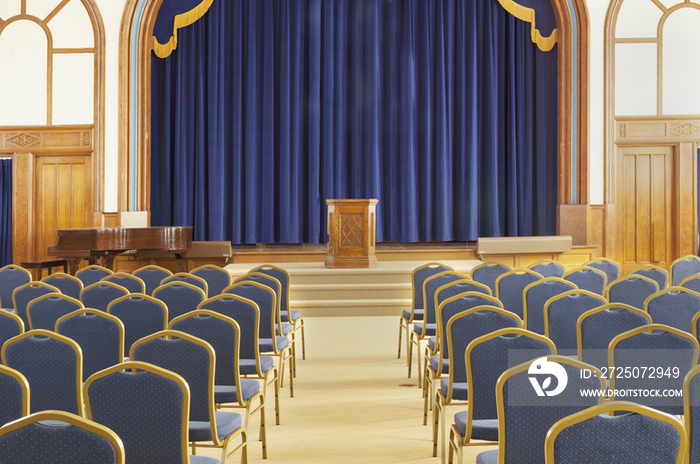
685 129
352 230
23 140
622 131
86 139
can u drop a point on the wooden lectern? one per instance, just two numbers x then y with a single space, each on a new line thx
351 228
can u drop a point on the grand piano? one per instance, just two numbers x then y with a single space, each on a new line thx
75 245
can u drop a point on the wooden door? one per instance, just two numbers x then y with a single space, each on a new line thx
63 198
645 206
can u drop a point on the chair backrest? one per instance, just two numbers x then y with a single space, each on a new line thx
655 273
147 407
126 280
674 306
266 280
152 275
11 277
100 294
632 289
68 284
217 278
14 391
26 293
459 286
10 326
53 366
265 298
561 313
607 265
670 352
92 274
467 326
43 312
187 278
588 278
535 296
596 328
430 288
487 273
418 277
489 356
142 315
59 437
525 414
179 297
640 435
691 411
455 305
100 336
188 356
548 268
510 287
683 268
691 282
223 334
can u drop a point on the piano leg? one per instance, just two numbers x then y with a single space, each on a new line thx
179 257
73 264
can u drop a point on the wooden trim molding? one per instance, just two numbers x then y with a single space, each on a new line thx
47 139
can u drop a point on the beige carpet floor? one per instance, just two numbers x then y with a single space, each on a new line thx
351 401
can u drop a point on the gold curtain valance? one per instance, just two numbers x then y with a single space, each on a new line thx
180 21
528 14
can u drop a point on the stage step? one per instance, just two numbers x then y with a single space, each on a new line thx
362 291
352 307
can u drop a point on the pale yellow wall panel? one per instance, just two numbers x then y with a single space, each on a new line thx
638 18
41 8
681 62
9 8
71 27
73 88
635 79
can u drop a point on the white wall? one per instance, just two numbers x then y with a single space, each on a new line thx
596 16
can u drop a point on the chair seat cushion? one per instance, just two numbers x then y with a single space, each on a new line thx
286 328
203 460
227 393
487 457
226 423
434 360
265 344
429 330
459 389
296 315
247 366
431 344
485 429
417 314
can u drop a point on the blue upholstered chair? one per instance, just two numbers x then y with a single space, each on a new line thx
152 276
691 282
607 265
251 363
536 295
148 407
548 268
10 326
66 283
487 272
510 287
14 391
632 289
186 277
561 313
223 334
655 273
525 417
142 315
194 360
53 366
11 277
596 328
486 358
461 329
179 297
43 312
691 412
92 274
640 435
684 267
422 331
588 278
670 352
216 277
268 341
59 437
100 336
130 282
26 293
674 306
287 314
100 294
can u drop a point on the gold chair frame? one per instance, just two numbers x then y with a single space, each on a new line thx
178 275
51 295
539 282
564 295
127 276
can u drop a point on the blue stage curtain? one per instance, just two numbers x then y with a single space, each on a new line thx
443 110
5 211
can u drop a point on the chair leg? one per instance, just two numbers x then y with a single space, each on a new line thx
451 450
263 432
418 359
303 343
400 333
436 418
443 420
408 341
410 355
426 394
291 376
